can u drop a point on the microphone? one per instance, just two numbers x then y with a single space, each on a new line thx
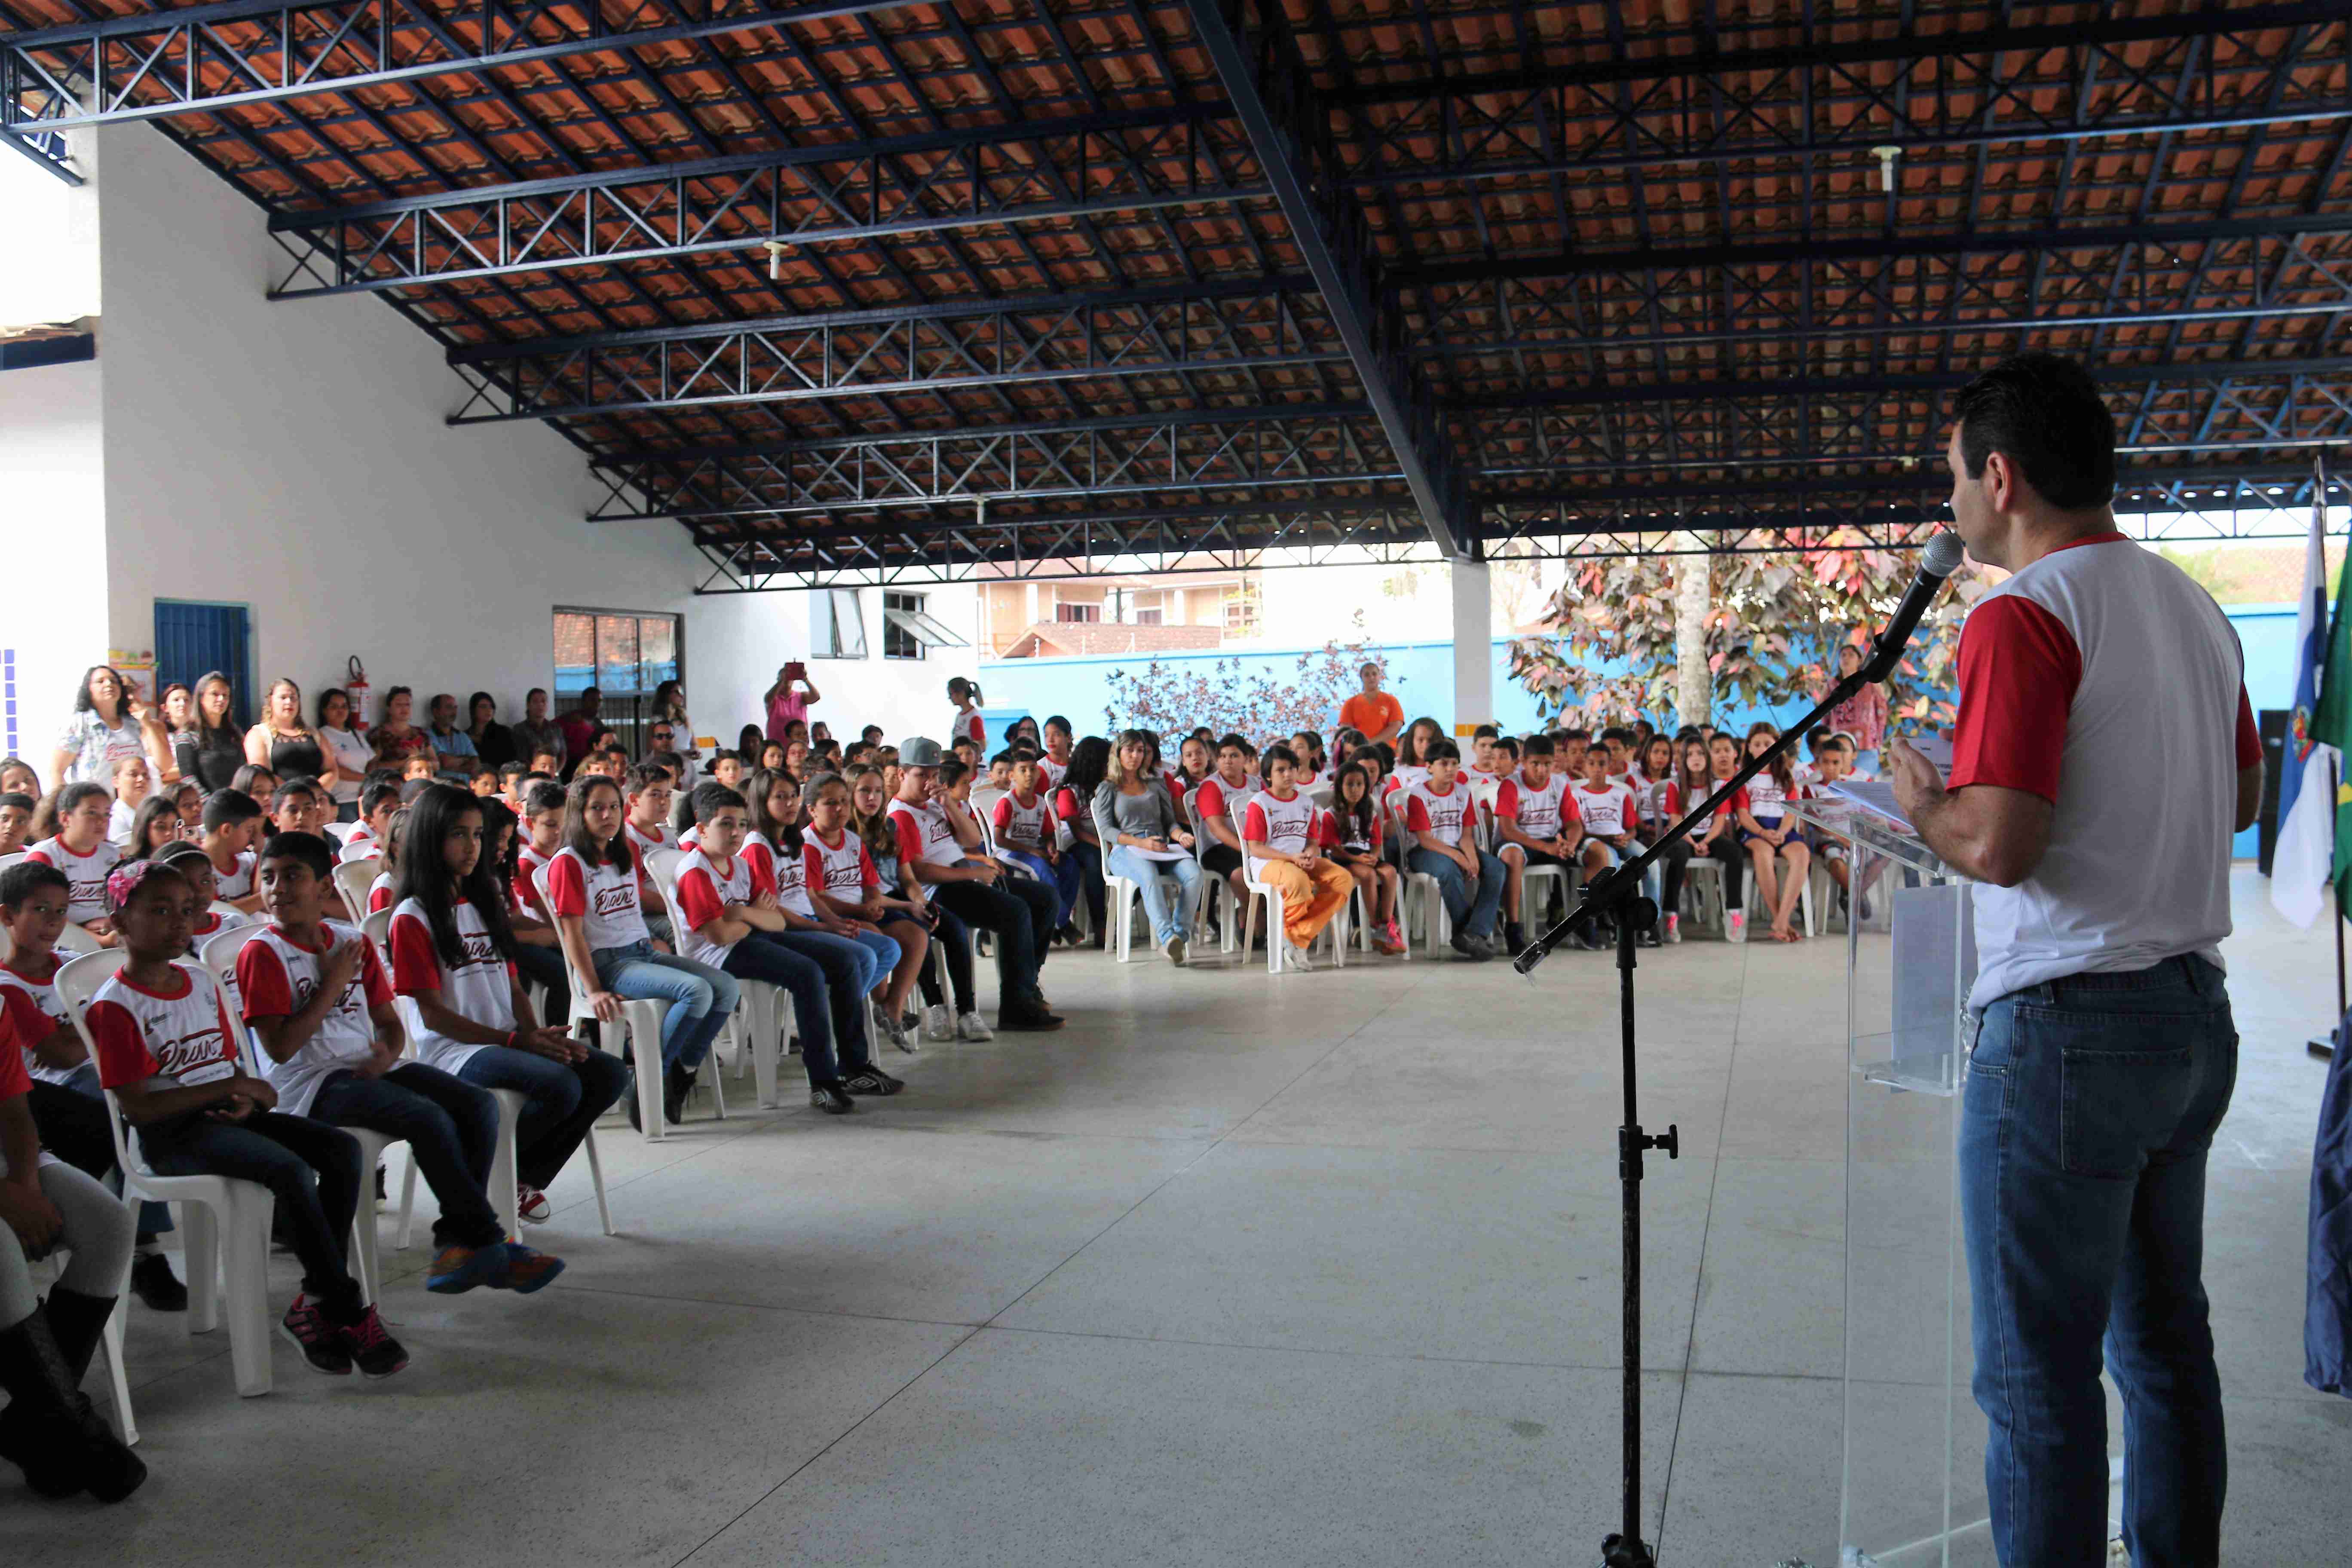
1938 560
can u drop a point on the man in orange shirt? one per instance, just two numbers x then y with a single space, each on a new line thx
1378 715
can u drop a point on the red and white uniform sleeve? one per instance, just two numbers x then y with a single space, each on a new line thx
262 985
698 899
567 890
416 967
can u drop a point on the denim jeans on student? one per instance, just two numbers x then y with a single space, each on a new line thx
154 1219
311 1169
1061 876
1005 907
1472 915
451 1128
560 1102
701 998
2090 1106
1170 917
815 979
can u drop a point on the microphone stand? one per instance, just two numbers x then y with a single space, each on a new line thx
1619 889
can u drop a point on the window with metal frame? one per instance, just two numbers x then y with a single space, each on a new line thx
626 655
1077 612
836 624
907 631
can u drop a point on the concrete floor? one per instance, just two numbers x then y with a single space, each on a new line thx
1321 1269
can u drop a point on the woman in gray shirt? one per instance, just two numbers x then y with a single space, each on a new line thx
1137 820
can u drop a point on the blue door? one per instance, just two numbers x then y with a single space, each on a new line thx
194 639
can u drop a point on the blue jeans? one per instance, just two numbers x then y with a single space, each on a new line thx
313 1171
2090 1103
1472 914
560 1102
1169 917
816 979
1061 874
851 969
452 1131
701 999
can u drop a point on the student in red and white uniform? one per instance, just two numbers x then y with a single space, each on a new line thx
729 905
1774 838
167 1047
1653 814
320 1006
84 853
1354 831
955 878
1413 752
233 820
1314 772
844 880
1213 806
463 1000
1060 744
1534 825
647 792
377 803
795 919
542 836
1074 806
1282 835
1440 815
592 890
189 860
1027 831
1480 769
965 723
50 1431
1834 815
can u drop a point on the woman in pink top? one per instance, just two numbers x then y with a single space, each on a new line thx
1862 715
785 704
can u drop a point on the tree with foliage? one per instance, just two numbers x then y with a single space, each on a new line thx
1619 634
1170 700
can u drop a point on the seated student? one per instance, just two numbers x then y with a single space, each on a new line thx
383 888
1503 758
939 847
1618 741
1831 761
1808 772
257 781
1534 825
1774 840
590 887
1281 833
1354 830
842 879
134 782
1610 813
1412 765
17 777
1314 767
1027 831
791 918
1653 815
1137 823
647 789
869 819
966 752
1211 807
1061 744
463 1005
155 827
294 806
379 799
233 820
1480 769
15 815
955 797
84 853
320 1006
547 763
1701 769
723 899
1000 771
66 1099
189 860
1074 808
167 1048
512 777
1438 816
48 1429
538 951
1568 749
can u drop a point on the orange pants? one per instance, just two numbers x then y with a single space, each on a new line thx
1310 896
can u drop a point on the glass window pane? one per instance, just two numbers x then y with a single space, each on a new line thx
576 654
656 649
617 654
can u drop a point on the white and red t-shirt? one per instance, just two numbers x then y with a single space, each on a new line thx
480 986
645 843
86 870
1215 797
842 871
704 893
33 1011
1765 800
181 1033
380 892
1407 775
1051 771
1288 826
2086 678
277 977
1071 809
924 833
1606 812
787 873
237 882
14 1080
1445 814
360 843
530 867
1024 827
965 726
1340 830
604 895
1538 812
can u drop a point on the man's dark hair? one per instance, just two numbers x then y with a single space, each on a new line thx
2045 411
227 807
307 848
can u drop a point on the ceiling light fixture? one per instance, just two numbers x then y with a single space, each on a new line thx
775 249
1886 155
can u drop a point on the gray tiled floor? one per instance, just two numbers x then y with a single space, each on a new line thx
1315 1271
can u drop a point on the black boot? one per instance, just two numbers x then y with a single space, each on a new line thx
677 1082
62 1445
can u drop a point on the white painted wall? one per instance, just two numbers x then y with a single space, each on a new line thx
53 528
49 269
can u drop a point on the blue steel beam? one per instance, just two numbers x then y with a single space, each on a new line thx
1273 93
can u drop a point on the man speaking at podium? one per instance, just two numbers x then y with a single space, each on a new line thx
2105 754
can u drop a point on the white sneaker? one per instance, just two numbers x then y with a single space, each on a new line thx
1174 948
1299 957
939 1023
973 1027
1735 925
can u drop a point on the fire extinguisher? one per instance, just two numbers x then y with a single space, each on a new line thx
355 684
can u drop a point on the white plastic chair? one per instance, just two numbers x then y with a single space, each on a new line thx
352 880
757 1026
366 849
1261 892
110 1344
75 939
214 1210
641 1024
1532 879
219 955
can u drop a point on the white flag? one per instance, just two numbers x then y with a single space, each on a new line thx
2304 857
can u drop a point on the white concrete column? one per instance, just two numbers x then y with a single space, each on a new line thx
1474 656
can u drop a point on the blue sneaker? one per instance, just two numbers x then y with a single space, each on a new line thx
457 1269
527 1272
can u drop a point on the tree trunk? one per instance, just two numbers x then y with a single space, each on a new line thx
1693 682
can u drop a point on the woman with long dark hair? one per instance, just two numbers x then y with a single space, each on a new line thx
1073 805
210 747
111 721
468 1012
494 743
